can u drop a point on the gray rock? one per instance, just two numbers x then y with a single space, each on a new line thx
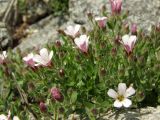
3 6
142 12
35 10
5 39
41 33
149 113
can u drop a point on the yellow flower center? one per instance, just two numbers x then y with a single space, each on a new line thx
120 97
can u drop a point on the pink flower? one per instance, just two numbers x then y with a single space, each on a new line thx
82 43
3 56
101 21
56 94
134 29
44 58
72 30
121 97
129 42
116 6
29 60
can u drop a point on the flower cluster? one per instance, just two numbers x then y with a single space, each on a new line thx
41 59
82 41
86 65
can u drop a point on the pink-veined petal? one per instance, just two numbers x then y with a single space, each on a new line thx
82 42
121 88
127 103
112 93
127 48
84 47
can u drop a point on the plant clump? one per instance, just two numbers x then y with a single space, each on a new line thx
75 77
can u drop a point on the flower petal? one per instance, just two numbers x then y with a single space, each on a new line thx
28 57
133 40
127 103
50 55
125 39
4 53
130 91
118 104
15 118
76 30
3 117
44 54
39 60
111 93
121 88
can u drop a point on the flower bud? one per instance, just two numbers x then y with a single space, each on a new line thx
61 72
103 9
103 72
58 43
114 51
134 29
90 16
56 94
61 110
158 27
94 111
42 107
126 27
116 6
117 40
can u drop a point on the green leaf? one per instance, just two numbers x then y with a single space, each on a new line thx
74 96
110 25
90 114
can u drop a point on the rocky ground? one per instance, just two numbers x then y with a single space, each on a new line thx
148 113
142 12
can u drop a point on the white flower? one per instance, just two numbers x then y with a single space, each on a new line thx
121 97
82 43
101 21
3 56
3 117
16 118
44 58
129 42
72 30
29 60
